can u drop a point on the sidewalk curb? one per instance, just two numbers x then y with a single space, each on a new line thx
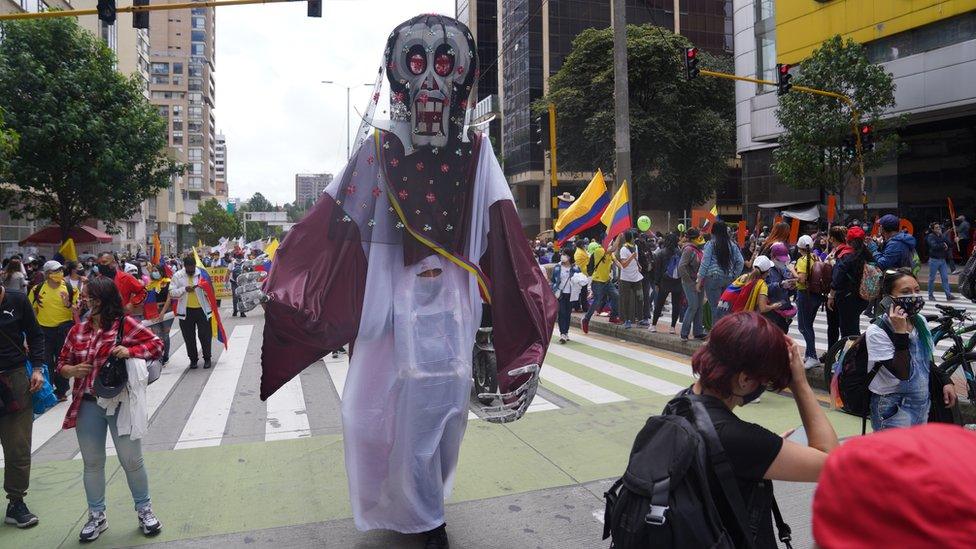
669 342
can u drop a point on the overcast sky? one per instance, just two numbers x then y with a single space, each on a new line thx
278 118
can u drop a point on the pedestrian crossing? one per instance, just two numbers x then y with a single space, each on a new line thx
586 371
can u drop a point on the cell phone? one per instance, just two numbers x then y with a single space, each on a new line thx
886 303
799 436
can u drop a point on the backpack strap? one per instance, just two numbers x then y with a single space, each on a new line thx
720 462
874 371
610 496
783 529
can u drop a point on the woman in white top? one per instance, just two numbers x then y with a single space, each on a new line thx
900 345
566 282
631 289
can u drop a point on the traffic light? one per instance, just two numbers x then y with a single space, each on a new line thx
867 138
691 62
849 146
106 11
314 8
783 78
140 19
541 130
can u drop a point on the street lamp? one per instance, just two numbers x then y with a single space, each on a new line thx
348 91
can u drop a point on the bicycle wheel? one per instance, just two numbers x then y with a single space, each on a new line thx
967 361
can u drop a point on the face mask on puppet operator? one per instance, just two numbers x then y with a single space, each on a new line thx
431 65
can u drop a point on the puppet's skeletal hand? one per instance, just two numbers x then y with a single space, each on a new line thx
249 290
517 401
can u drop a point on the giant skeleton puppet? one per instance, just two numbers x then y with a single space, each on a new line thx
395 259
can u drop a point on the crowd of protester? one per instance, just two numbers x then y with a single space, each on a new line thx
65 321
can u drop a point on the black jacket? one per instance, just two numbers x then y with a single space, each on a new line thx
17 322
938 245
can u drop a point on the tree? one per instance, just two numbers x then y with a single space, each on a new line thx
256 229
681 131
811 152
8 144
91 145
213 221
258 203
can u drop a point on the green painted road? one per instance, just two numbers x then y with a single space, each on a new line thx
237 487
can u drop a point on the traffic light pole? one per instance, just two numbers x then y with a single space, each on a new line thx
855 121
133 9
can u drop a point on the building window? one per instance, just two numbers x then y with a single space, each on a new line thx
130 229
159 68
198 36
156 79
177 80
197 48
177 125
196 168
195 154
196 184
196 97
177 68
196 70
163 110
195 127
922 39
196 84
196 113
177 140
765 29
196 140
199 23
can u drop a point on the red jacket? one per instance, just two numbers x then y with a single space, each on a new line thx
131 290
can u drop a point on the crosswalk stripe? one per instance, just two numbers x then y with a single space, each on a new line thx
206 424
643 356
540 404
577 386
338 370
287 417
623 373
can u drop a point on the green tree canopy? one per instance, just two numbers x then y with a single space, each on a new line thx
8 145
91 145
257 229
811 152
681 131
213 221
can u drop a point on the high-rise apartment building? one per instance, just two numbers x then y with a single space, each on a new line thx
220 169
181 85
532 39
34 6
309 186
131 48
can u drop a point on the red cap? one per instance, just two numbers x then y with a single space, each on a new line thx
855 233
899 488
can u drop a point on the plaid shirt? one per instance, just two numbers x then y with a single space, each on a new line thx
87 343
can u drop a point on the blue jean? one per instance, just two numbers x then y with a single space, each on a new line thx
899 410
807 305
91 428
940 266
714 287
601 290
565 307
693 314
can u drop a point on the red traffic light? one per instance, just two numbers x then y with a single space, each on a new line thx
691 52
784 68
866 130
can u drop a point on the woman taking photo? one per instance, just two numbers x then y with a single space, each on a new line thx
86 350
745 354
721 264
900 342
845 287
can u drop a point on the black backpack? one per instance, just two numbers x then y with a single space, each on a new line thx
967 279
853 377
666 498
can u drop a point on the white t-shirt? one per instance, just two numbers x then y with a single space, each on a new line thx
630 273
881 348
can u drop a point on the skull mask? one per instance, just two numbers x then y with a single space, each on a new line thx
430 61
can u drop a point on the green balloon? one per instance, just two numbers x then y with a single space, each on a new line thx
681 227
643 223
592 247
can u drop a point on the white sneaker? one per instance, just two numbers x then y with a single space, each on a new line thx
563 338
653 328
148 522
810 363
97 523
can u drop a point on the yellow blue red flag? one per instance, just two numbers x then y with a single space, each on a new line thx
216 325
585 212
68 252
617 216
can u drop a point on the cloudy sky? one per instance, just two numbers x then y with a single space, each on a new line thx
278 118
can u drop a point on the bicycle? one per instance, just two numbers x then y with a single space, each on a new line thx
954 324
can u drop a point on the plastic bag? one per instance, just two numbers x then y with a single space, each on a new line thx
44 398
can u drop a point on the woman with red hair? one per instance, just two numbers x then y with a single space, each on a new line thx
745 354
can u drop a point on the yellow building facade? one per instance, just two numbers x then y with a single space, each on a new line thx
801 25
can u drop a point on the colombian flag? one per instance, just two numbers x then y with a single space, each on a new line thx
153 291
617 215
216 326
585 212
